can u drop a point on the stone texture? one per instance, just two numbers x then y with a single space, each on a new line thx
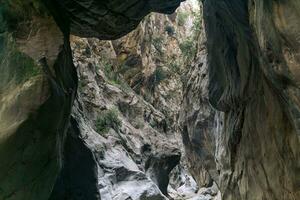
248 147
198 120
34 124
78 177
35 98
133 161
253 81
145 149
106 19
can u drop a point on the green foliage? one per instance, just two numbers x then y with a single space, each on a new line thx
159 75
82 84
113 74
15 67
170 30
181 18
139 124
156 78
110 74
188 48
26 67
108 119
197 24
158 42
174 66
123 68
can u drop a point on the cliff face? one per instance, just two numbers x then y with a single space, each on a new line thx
39 82
126 115
253 80
238 84
36 92
133 153
198 120
105 19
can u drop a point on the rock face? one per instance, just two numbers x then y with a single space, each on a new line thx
38 85
36 93
198 118
129 129
106 19
251 80
78 177
121 133
239 117
253 83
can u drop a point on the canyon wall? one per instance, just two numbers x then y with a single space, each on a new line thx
38 85
253 55
39 82
126 114
239 87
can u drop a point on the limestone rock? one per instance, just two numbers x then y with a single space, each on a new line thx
252 56
36 62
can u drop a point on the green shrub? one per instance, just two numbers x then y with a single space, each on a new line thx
174 67
15 67
197 24
139 124
81 84
108 119
156 78
170 30
157 43
159 75
181 18
188 48
25 67
110 74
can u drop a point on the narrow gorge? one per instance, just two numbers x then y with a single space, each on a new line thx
149 100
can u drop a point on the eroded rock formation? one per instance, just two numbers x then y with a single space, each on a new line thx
252 58
36 104
37 89
123 131
106 19
135 144
239 117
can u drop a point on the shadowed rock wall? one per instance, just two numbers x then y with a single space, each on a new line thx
106 19
36 104
253 60
253 76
